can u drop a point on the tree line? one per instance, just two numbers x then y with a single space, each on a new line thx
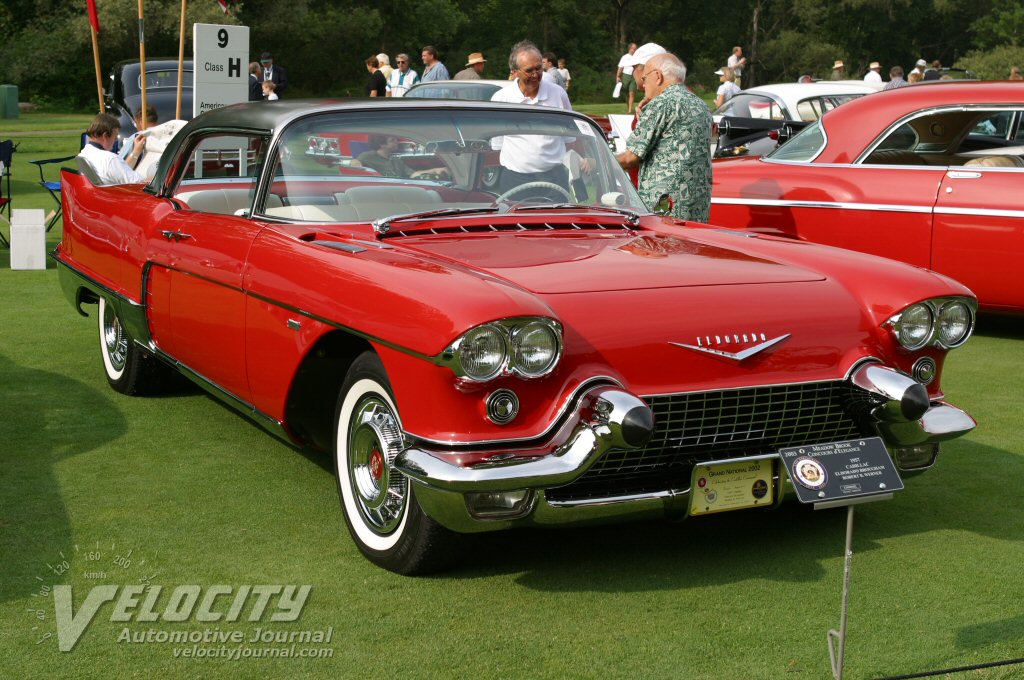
323 43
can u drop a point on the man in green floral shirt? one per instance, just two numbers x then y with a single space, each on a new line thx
672 141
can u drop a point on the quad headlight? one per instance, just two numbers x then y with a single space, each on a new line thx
943 322
528 347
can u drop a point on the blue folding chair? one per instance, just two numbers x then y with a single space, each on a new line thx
52 187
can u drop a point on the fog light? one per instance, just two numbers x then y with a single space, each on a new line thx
502 406
915 457
500 505
924 370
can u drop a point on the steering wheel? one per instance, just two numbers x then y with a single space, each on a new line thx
533 185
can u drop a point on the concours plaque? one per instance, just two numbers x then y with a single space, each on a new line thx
719 487
842 473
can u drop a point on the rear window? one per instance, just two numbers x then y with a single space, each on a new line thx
805 146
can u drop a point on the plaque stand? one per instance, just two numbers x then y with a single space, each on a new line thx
832 636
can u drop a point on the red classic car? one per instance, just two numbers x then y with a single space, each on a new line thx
481 349
930 174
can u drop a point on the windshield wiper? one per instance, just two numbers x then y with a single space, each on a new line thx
383 225
631 216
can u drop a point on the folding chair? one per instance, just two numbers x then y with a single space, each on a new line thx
52 187
7 148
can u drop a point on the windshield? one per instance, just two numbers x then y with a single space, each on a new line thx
367 165
751 105
805 146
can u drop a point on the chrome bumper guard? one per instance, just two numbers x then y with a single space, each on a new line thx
906 417
607 417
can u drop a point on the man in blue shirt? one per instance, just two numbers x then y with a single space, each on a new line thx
433 68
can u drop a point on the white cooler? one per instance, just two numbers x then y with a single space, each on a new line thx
28 239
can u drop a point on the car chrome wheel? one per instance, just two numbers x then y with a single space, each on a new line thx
379 502
375 439
115 340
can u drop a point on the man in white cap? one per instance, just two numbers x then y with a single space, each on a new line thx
919 67
672 140
874 74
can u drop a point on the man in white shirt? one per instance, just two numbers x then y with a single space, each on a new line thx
402 78
736 62
874 74
531 158
624 74
109 167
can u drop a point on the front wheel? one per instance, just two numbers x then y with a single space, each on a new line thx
129 368
378 501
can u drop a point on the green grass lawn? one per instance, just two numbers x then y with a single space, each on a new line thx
191 493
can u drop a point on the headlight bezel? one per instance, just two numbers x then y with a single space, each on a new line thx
508 329
936 307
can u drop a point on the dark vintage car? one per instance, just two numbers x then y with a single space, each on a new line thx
479 355
930 174
124 97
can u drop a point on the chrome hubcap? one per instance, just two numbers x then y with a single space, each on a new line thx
374 440
115 339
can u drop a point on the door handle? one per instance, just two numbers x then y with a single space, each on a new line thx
963 174
175 235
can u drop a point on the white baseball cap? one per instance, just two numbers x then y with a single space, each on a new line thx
644 53
921 62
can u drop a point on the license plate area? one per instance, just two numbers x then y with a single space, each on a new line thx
735 485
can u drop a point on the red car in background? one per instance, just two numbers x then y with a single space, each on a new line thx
930 174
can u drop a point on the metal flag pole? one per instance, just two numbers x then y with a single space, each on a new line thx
142 66
181 60
832 636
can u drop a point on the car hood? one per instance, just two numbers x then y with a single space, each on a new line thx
554 263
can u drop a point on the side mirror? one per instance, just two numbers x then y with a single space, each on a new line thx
664 205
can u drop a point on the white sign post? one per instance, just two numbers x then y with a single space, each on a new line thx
220 57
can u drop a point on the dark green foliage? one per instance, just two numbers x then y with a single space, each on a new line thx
323 44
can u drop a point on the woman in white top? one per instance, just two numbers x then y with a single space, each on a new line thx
728 89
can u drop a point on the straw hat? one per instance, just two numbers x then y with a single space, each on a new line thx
874 64
476 58
838 64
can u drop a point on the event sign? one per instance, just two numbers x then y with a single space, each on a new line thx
850 471
220 57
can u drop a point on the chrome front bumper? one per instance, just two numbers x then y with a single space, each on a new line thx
610 418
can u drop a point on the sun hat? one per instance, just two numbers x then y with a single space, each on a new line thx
838 64
875 64
476 58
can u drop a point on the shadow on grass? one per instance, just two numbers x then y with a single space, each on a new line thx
999 326
966 491
49 417
984 634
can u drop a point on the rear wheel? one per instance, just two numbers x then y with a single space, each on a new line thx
379 503
129 368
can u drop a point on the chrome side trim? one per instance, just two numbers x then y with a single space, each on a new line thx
872 166
979 212
832 205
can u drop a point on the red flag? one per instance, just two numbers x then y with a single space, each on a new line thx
94 18
224 5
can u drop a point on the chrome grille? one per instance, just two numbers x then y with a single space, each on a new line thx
705 426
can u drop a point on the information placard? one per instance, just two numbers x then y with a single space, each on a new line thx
851 470
220 56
